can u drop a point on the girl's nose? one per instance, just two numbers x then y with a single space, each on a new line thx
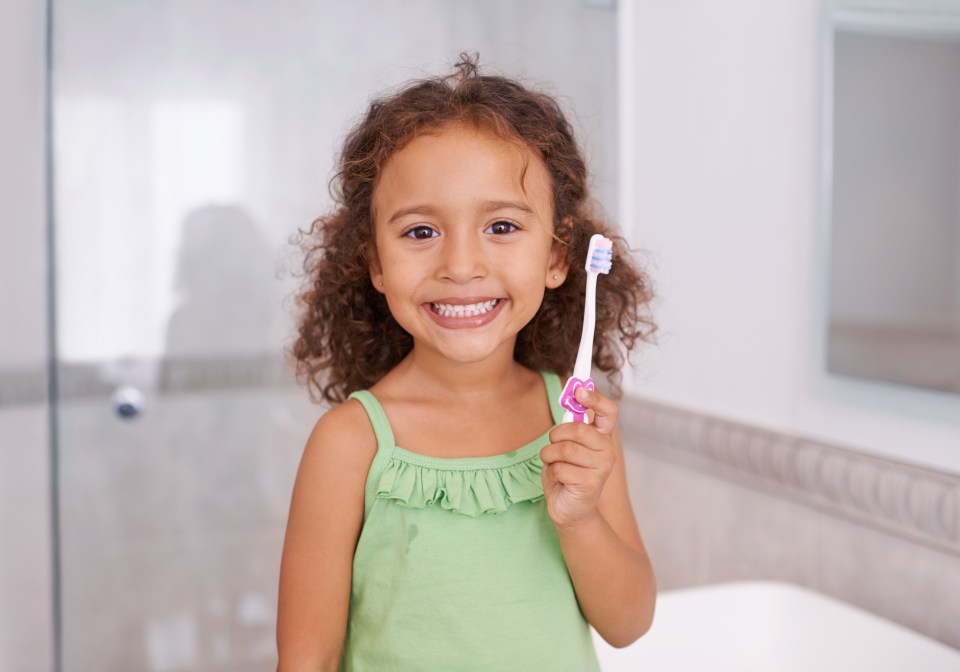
462 258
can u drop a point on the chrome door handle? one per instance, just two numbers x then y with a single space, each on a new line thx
128 402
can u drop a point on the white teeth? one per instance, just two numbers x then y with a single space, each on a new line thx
461 310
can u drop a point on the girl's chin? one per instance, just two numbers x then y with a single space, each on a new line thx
475 354
466 346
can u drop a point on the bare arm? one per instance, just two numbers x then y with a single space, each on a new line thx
326 514
589 504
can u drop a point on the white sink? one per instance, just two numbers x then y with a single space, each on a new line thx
772 627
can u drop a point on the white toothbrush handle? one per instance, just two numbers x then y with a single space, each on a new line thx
584 364
599 260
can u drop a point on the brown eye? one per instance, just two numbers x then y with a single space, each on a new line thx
501 227
421 232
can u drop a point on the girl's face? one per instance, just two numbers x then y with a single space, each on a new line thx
464 249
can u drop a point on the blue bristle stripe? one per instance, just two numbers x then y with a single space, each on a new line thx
600 259
602 264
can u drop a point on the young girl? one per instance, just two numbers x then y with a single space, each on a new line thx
441 518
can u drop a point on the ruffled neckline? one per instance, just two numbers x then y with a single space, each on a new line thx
471 486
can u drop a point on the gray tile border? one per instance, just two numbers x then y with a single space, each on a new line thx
23 386
913 502
167 375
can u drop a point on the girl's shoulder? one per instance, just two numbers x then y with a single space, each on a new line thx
343 439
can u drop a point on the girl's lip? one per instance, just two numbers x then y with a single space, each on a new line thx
464 322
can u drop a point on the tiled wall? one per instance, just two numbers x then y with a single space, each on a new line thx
171 525
721 501
25 571
176 522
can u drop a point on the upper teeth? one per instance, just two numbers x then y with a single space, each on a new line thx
464 310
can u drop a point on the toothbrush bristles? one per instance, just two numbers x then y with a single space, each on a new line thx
600 255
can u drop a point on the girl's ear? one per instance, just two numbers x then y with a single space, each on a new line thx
376 275
559 263
557 272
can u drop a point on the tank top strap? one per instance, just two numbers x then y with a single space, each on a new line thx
385 445
554 389
384 433
378 418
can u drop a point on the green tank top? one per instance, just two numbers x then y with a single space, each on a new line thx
458 566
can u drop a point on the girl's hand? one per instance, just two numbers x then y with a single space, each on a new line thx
578 461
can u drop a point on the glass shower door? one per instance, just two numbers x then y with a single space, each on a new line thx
191 140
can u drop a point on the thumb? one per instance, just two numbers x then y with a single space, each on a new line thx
604 410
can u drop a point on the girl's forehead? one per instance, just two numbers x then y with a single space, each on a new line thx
460 138
457 159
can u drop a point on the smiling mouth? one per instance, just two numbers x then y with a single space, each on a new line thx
464 310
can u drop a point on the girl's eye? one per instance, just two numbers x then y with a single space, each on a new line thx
502 227
421 232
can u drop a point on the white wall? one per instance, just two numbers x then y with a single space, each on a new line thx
725 193
22 263
25 571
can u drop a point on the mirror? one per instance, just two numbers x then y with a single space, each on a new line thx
894 204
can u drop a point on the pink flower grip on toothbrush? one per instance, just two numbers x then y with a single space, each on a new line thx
568 399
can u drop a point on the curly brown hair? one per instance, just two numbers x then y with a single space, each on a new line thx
348 339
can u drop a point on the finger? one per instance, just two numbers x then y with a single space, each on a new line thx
605 411
568 474
586 435
571 453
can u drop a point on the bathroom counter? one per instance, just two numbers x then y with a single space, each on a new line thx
764 626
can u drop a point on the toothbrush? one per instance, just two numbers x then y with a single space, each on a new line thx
599 260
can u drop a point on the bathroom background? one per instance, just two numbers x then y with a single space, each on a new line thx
145 269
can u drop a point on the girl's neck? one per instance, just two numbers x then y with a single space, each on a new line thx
431 375
447 409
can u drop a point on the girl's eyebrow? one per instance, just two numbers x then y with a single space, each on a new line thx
491 206
486 206
412 210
